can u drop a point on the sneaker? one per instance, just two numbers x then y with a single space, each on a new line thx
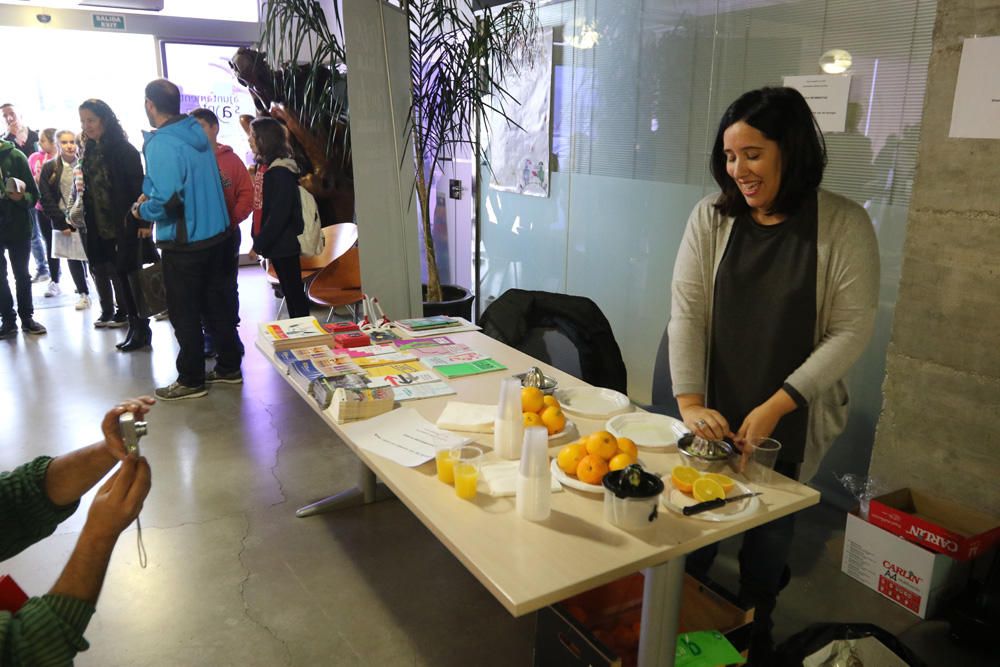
53 290
176 391
118 321
103 321
8 329
33 327
162 315
41 277
83 303
215 376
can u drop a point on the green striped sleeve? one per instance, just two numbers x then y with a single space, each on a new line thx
45 632
26 513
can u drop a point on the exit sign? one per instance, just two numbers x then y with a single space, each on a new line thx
109 21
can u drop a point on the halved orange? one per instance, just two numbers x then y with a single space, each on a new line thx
683 477
726 483
706 489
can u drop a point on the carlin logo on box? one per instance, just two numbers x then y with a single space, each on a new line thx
927 536
895 572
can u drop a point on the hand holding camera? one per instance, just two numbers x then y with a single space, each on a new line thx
122 424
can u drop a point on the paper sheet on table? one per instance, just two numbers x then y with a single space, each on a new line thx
499 479
470 417
403 436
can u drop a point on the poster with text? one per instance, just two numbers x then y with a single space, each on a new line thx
519 156
827 96
976 110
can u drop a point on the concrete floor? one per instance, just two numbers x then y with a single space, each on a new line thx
235 579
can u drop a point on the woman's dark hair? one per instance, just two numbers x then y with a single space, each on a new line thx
270 139
783 116
113 132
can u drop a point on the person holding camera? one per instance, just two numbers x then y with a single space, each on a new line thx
39 495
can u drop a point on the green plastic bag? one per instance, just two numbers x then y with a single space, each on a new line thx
705 649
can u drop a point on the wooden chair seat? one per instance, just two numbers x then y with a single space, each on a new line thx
339 239
338 284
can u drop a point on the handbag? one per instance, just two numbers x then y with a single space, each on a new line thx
68 246
147 286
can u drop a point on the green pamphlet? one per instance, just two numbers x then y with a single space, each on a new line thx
469 368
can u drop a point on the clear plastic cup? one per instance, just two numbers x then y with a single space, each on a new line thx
467 461
763 456
445 459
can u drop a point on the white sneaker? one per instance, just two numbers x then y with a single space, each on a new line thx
53 290
83 303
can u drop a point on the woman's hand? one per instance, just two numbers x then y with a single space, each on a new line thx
66 232
705 422
254 257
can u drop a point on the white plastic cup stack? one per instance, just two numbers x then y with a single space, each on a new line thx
508 428
534 478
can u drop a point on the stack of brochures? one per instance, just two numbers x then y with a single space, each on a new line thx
424 323
348 405
293 333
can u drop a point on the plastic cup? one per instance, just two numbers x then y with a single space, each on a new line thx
467 461
445 459
764 454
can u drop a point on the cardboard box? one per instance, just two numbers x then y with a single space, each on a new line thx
909 575
934 523
600 628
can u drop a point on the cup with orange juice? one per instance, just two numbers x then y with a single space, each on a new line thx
445 459
467 461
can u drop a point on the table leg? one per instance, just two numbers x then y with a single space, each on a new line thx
367 491
661 609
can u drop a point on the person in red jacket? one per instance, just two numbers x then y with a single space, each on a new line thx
237 188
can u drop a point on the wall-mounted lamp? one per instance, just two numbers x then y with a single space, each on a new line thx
835 61
586 37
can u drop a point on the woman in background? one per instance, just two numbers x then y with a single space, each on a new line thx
774 296
276 236
46 151
55 186
112 171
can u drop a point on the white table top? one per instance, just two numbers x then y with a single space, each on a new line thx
529 565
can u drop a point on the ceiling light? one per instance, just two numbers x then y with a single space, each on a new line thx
835 61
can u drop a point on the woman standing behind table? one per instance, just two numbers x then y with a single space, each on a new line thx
55 187
276 235
774 296
112 171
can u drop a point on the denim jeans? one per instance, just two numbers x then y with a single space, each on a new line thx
19 252
197 284
38 244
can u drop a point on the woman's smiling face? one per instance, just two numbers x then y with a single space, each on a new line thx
754 163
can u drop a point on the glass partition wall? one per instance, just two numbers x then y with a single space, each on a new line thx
637 90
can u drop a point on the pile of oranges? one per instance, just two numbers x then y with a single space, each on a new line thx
537 409
591 457
700 486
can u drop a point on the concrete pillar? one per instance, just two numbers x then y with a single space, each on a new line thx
939 430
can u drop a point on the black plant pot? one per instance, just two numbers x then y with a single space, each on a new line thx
456 302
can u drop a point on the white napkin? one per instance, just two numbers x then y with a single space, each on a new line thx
499 479
468 417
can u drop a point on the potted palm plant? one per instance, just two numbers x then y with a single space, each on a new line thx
457 61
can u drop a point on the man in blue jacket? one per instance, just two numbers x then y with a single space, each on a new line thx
182 196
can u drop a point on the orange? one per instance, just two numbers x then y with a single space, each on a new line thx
627 446
619 461
531 399
531 419
603 444
570 456
592 469
707 489
683 477
550 401
554 419
725 482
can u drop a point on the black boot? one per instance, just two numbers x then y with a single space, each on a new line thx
142 337
132 326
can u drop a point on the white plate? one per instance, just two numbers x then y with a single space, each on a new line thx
730 512
592 402
647 429
574 483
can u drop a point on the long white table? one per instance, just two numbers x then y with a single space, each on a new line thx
527 565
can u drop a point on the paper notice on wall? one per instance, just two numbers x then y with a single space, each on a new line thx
976 111
827 97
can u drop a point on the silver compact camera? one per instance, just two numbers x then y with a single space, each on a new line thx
131 431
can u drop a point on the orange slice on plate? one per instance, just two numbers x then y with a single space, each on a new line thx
683 478
706 489
725 482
